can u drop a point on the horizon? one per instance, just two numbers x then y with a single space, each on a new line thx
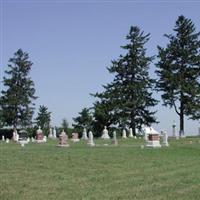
71 44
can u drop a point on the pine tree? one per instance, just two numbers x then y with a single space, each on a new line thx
44 118
84 120
178 69
65 125
17 98
130 93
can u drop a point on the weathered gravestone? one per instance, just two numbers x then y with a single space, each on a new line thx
63 140
75 137
91 139
105 133
84 135
124 134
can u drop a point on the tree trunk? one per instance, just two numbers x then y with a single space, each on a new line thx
181 131
133 125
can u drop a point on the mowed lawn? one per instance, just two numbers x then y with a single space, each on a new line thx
47 172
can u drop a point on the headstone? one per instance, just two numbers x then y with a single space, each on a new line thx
75 137
105 133
23 138
131 133
32 139
7 140
50 133
39 136
153 138
115 142
165 139
15 135
63 140
84 135
199 131
174 134
124 134
91 139
28 139
3 138
54 133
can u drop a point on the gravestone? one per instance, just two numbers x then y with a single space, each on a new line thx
153 138
199 131
75 137
105 133
115 142
174 134
54 133
165 139
3 138
63 140
124 134
84 135
23 136
7 140
15 135
91 140
131 133
39 136
50 133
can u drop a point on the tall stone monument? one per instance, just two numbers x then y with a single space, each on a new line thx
174 134
84 135
105 133
115 142
54 133
124 134
165 139
91 139
50 133
131 133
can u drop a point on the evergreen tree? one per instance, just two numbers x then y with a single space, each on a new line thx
44 118
178 69
84 120
17 98
130 93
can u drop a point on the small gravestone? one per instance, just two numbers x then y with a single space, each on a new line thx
3 138
91 139
39 136
63 140
165 139
124 134
54 133
15 135
131 133
32 139
23 138
153 138
115 142
75 137
50 133
84 135
105 134
7 140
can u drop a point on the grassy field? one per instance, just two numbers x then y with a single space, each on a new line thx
47 172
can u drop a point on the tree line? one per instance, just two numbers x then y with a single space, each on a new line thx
128 100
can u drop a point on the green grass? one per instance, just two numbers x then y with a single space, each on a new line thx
47 172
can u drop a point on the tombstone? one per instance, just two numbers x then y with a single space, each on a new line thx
91 140
23 138
124 134
32 139
63 140
199 131
15 135
75 137
131 133
54 133
115 142
28 139
105 134
153 138
50 133
39 136
84 135
165 139
174 134
7 140
45 139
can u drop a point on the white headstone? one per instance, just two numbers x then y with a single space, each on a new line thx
91 139
7 140
32 139
165 138
54 133
50 133
174 134
3 138
115 142
124 134
84 135
131 133
105 133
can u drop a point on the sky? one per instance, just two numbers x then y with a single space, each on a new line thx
71 44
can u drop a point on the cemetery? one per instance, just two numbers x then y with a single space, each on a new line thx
142 167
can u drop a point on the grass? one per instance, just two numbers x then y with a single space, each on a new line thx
46 172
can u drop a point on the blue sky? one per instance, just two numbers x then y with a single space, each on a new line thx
72 42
